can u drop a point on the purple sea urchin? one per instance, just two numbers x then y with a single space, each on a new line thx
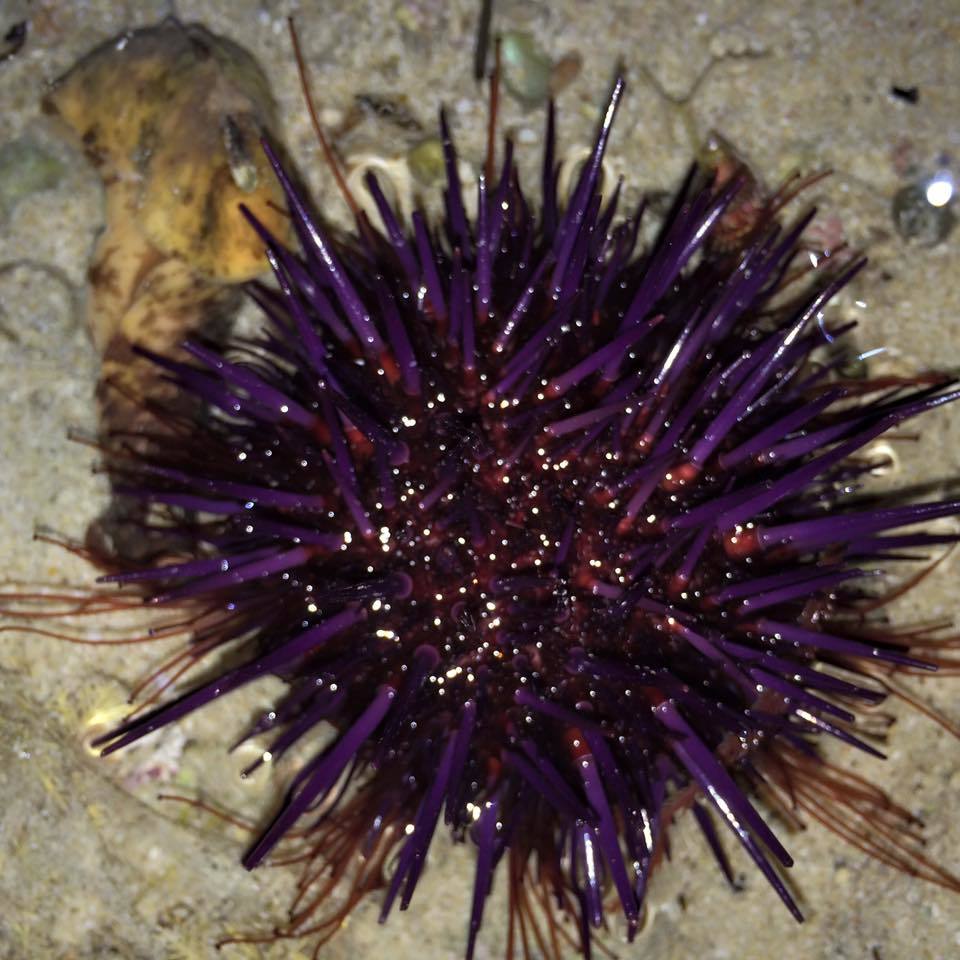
556 535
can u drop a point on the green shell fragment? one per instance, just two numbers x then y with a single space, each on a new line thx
527 70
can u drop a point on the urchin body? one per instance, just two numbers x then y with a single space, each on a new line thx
556 533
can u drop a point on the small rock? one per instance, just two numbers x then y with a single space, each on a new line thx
919 220
527 70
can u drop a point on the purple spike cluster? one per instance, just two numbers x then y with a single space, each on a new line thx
549 528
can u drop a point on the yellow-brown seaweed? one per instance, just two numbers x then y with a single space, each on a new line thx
171 116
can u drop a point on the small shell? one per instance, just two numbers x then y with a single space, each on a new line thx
398 181
570 166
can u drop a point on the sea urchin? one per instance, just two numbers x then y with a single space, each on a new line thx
558 536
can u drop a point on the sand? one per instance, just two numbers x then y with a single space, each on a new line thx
91 864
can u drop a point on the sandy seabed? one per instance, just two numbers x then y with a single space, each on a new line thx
91 864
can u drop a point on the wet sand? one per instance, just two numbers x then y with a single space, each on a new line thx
93 865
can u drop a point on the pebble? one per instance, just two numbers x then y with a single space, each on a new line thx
916 219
